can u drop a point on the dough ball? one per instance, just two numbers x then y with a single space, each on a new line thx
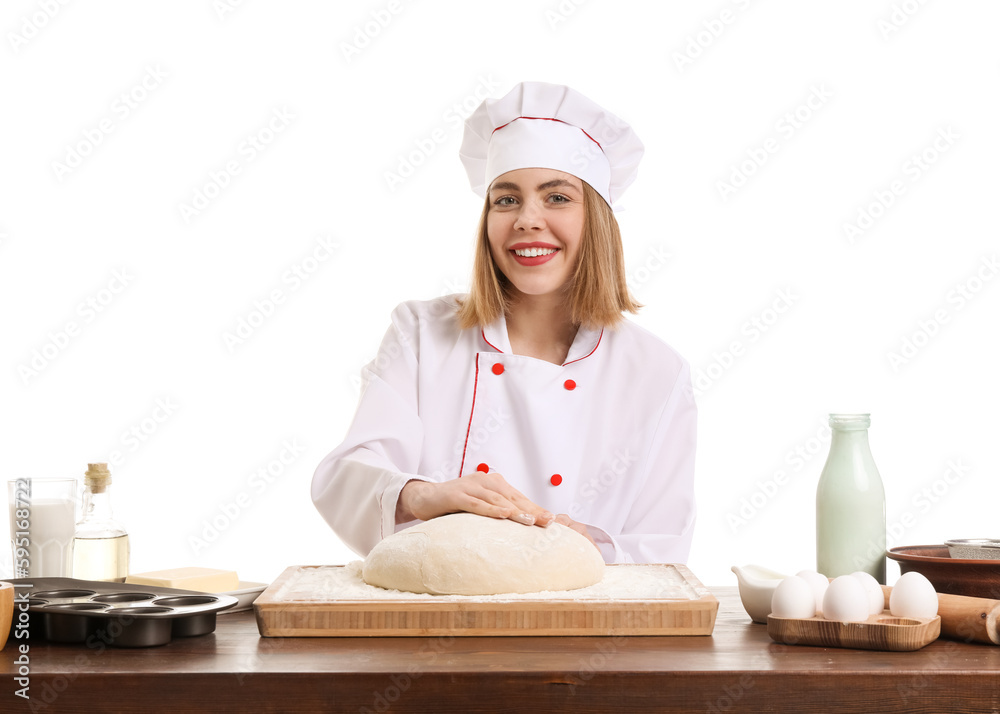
466 554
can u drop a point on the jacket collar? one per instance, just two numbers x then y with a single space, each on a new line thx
584 344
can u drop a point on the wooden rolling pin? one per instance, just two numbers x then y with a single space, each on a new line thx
967 619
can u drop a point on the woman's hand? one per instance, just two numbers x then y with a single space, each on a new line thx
578 527
483 494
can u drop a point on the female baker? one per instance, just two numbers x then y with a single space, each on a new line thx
531 398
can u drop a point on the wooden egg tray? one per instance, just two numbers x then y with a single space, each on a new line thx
878 632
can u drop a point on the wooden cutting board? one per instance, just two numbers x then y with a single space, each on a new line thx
307 601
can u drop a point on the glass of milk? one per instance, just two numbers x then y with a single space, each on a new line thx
42 526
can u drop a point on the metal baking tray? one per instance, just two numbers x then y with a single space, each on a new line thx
90 612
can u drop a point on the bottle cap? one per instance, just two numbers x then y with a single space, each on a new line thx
97 477
850 422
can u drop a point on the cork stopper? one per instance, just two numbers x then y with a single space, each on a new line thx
97 477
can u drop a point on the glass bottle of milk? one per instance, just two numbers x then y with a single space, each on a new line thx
850 503
100 549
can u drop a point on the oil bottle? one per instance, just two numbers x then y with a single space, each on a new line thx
100 548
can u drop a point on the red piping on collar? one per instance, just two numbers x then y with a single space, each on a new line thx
589 353
483 333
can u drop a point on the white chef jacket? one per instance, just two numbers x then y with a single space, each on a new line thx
608 437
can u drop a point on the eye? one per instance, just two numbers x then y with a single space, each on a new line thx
505 201
559 198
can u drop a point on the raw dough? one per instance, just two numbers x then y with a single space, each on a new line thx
466 554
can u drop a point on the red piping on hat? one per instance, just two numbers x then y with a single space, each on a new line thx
550 119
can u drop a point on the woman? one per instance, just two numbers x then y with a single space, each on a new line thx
531 398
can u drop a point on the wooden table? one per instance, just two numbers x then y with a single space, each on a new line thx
738 668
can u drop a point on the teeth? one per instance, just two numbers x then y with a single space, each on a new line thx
533 252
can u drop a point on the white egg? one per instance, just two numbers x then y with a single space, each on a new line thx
793 598
876 598
913 596
846 600
818 583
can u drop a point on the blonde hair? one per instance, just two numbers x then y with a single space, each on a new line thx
597 293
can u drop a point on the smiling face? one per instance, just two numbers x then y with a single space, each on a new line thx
535 226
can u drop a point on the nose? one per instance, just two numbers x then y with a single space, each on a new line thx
530 216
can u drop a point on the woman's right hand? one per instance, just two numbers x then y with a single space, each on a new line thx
486 494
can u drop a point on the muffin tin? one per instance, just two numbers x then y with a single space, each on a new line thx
92 612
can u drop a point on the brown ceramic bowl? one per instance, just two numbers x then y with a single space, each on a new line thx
976 578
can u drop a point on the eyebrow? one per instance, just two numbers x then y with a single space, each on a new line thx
510 186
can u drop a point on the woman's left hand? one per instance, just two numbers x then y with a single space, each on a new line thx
578 527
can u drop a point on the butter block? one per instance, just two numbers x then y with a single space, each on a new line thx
206 580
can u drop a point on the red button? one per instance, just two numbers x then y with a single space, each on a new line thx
569 384
498 368
484 468
555 480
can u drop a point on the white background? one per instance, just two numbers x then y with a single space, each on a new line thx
707 86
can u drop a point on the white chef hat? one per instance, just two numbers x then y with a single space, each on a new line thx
540 125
